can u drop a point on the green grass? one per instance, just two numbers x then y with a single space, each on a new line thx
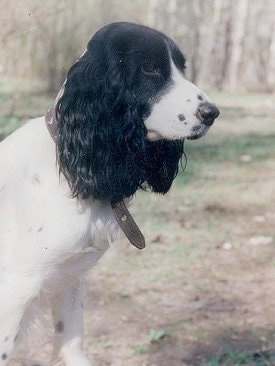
8 125
220 153
20 100
228 148
156 335
239 358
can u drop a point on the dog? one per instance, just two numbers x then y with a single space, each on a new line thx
120 120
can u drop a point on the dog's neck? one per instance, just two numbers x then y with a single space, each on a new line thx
120 211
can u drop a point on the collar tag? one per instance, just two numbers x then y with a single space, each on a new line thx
51 123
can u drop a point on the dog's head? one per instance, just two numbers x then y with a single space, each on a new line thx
124 111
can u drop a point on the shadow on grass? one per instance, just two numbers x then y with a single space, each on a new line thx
239 348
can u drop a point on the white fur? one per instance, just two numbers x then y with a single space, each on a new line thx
180 99
47 238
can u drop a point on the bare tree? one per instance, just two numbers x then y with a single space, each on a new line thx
230 44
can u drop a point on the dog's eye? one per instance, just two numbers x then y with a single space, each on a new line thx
151 69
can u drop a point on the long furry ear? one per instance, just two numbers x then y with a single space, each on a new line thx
163 164
100 129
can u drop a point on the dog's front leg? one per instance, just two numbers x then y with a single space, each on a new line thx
16 292
68 322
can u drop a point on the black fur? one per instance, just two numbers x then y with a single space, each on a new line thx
102 147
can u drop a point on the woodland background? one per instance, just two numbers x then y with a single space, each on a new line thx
202 293
230 44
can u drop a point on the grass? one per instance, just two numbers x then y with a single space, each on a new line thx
154 337
239 358
8 125
20 100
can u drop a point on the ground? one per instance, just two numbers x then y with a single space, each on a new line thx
202 293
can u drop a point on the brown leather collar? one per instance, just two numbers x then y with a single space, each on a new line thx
120 211
51 123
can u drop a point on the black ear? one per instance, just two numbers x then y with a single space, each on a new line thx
163 162
100 129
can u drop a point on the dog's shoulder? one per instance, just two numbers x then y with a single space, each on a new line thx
26 151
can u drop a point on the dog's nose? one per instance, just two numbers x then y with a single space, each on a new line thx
208 112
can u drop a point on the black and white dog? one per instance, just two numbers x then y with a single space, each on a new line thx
122 115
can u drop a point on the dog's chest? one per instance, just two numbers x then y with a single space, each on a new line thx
84 229
91 231
57 234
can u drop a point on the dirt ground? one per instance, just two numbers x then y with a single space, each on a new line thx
203 291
